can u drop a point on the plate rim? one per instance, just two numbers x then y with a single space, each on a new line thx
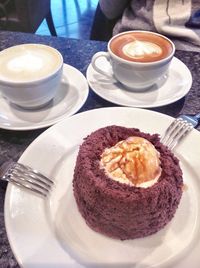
66 68
159 104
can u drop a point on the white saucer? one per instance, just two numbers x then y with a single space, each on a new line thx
70 97
171 88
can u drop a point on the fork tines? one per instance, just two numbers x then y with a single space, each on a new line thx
28 178
175 132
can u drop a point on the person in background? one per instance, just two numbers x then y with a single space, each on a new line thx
177 19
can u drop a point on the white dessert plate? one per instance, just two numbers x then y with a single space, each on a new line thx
70 97
169 89
52 233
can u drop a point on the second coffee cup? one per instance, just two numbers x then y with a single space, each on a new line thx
137 58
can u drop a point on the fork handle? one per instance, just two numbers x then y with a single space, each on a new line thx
197 116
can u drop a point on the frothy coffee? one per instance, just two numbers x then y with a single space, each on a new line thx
141 47
28 62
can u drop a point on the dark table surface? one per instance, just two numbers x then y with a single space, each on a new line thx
77 53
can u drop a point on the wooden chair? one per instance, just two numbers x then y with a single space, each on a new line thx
25 15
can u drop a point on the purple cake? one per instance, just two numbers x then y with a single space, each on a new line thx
122 210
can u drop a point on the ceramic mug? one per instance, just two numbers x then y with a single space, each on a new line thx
137 58
30 74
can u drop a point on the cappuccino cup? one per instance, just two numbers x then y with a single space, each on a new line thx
137 59
30 74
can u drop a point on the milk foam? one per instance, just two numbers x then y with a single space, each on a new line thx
140 49
28 63
22 63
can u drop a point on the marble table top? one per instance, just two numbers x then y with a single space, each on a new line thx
77 53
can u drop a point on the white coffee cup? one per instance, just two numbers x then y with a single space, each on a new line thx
137 58
30 74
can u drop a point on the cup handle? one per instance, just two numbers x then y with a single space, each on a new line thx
101 54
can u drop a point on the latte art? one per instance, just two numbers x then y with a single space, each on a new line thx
139 49
141 46
28 62
22 63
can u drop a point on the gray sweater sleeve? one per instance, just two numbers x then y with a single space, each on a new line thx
113 8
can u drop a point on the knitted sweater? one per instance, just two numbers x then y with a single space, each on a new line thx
177 19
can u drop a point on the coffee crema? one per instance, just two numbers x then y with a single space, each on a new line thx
141 47
30 62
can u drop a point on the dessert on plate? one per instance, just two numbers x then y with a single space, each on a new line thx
126 183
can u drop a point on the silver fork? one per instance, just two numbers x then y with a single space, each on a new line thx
26 178
178 129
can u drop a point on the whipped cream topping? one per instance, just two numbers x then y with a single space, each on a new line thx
140 49
134 161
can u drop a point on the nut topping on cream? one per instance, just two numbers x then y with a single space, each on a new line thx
134 161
